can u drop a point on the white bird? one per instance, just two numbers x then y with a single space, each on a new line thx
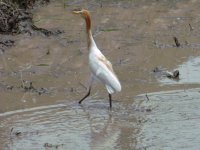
101 68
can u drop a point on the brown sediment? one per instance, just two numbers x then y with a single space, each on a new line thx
15 18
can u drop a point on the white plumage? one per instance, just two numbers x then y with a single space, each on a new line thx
101 68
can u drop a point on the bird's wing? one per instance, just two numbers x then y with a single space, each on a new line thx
104 72
107 63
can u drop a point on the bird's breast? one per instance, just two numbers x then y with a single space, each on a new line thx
93 62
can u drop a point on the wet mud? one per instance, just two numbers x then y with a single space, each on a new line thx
16 18
43 78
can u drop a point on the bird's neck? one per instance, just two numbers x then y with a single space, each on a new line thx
90 38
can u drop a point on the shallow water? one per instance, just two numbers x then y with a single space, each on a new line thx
69 126
189 73
49 117
173 122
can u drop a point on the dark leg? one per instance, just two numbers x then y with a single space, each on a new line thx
89 89
88 93
110 100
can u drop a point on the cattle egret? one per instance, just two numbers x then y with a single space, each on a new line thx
101 68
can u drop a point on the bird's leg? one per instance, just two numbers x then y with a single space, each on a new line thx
88 93
110 100
89 89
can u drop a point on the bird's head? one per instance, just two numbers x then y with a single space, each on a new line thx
83 12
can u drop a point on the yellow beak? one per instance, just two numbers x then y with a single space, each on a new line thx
77 11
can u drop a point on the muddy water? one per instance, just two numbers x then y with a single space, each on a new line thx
136 36
173 122
189 73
